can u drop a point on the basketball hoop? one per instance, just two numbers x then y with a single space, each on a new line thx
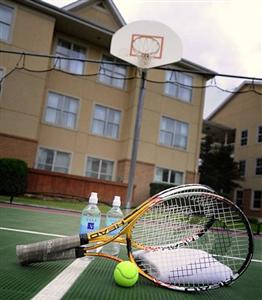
146 44
145 47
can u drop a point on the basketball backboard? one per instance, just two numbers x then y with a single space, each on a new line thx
146 44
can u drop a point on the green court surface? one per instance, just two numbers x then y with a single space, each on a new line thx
96 281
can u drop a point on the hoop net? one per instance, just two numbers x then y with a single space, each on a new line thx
145 48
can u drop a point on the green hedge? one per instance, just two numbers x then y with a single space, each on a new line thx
13 177
156 187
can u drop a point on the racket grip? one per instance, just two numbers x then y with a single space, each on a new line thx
47 250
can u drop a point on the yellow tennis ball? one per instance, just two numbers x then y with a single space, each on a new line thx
126 274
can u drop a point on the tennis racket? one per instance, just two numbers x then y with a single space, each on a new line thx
186 238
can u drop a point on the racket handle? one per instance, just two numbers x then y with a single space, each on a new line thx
46 250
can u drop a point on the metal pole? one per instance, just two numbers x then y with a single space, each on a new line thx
132 168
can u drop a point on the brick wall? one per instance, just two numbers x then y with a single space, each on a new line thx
17 147
191 177
144 176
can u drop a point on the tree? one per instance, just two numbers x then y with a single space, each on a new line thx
13 177
218 168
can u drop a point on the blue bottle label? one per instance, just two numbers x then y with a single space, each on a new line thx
93 224
89 224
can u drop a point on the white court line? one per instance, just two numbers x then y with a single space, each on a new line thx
58 287
237 258
32 232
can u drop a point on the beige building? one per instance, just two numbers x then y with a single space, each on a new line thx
242 112
78 116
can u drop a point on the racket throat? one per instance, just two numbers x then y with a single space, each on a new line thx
83 239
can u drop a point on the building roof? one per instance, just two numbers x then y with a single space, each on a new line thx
231 97
107 3
69 23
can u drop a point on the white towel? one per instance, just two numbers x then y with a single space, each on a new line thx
183 266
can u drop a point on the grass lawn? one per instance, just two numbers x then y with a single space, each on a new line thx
70 204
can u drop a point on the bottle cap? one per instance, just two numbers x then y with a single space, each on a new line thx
93 198
117 201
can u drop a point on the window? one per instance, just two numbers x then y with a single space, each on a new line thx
244 136
179 86
259 134
99 168
61 110
173 133
242 168
259 166
53 160
106 121
168 176
257 199
69 50
111 73
239 198
6 16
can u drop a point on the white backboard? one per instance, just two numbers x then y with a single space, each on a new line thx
146 44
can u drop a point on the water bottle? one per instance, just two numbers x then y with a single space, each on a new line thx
91 216
113 215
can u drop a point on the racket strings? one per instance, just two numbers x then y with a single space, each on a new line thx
228 239
212 258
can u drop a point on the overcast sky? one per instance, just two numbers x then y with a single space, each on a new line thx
222 35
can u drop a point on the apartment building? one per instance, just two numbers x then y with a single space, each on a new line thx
242 113
76 117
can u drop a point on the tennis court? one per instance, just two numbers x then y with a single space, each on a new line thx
87 278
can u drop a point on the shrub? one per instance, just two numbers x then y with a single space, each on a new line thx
13 177
156 187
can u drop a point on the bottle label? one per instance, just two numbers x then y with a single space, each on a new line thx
93 224
109 221
89 224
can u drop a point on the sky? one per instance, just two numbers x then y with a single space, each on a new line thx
222 35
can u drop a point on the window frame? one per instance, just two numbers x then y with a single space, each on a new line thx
243 161
174 134
258 170
11 25
108 109
54 157
169 176
114 75
178 85
259 134
101 160
244 139
58 61
253 200
62 110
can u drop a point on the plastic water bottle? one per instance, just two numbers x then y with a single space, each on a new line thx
91 216
113 215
